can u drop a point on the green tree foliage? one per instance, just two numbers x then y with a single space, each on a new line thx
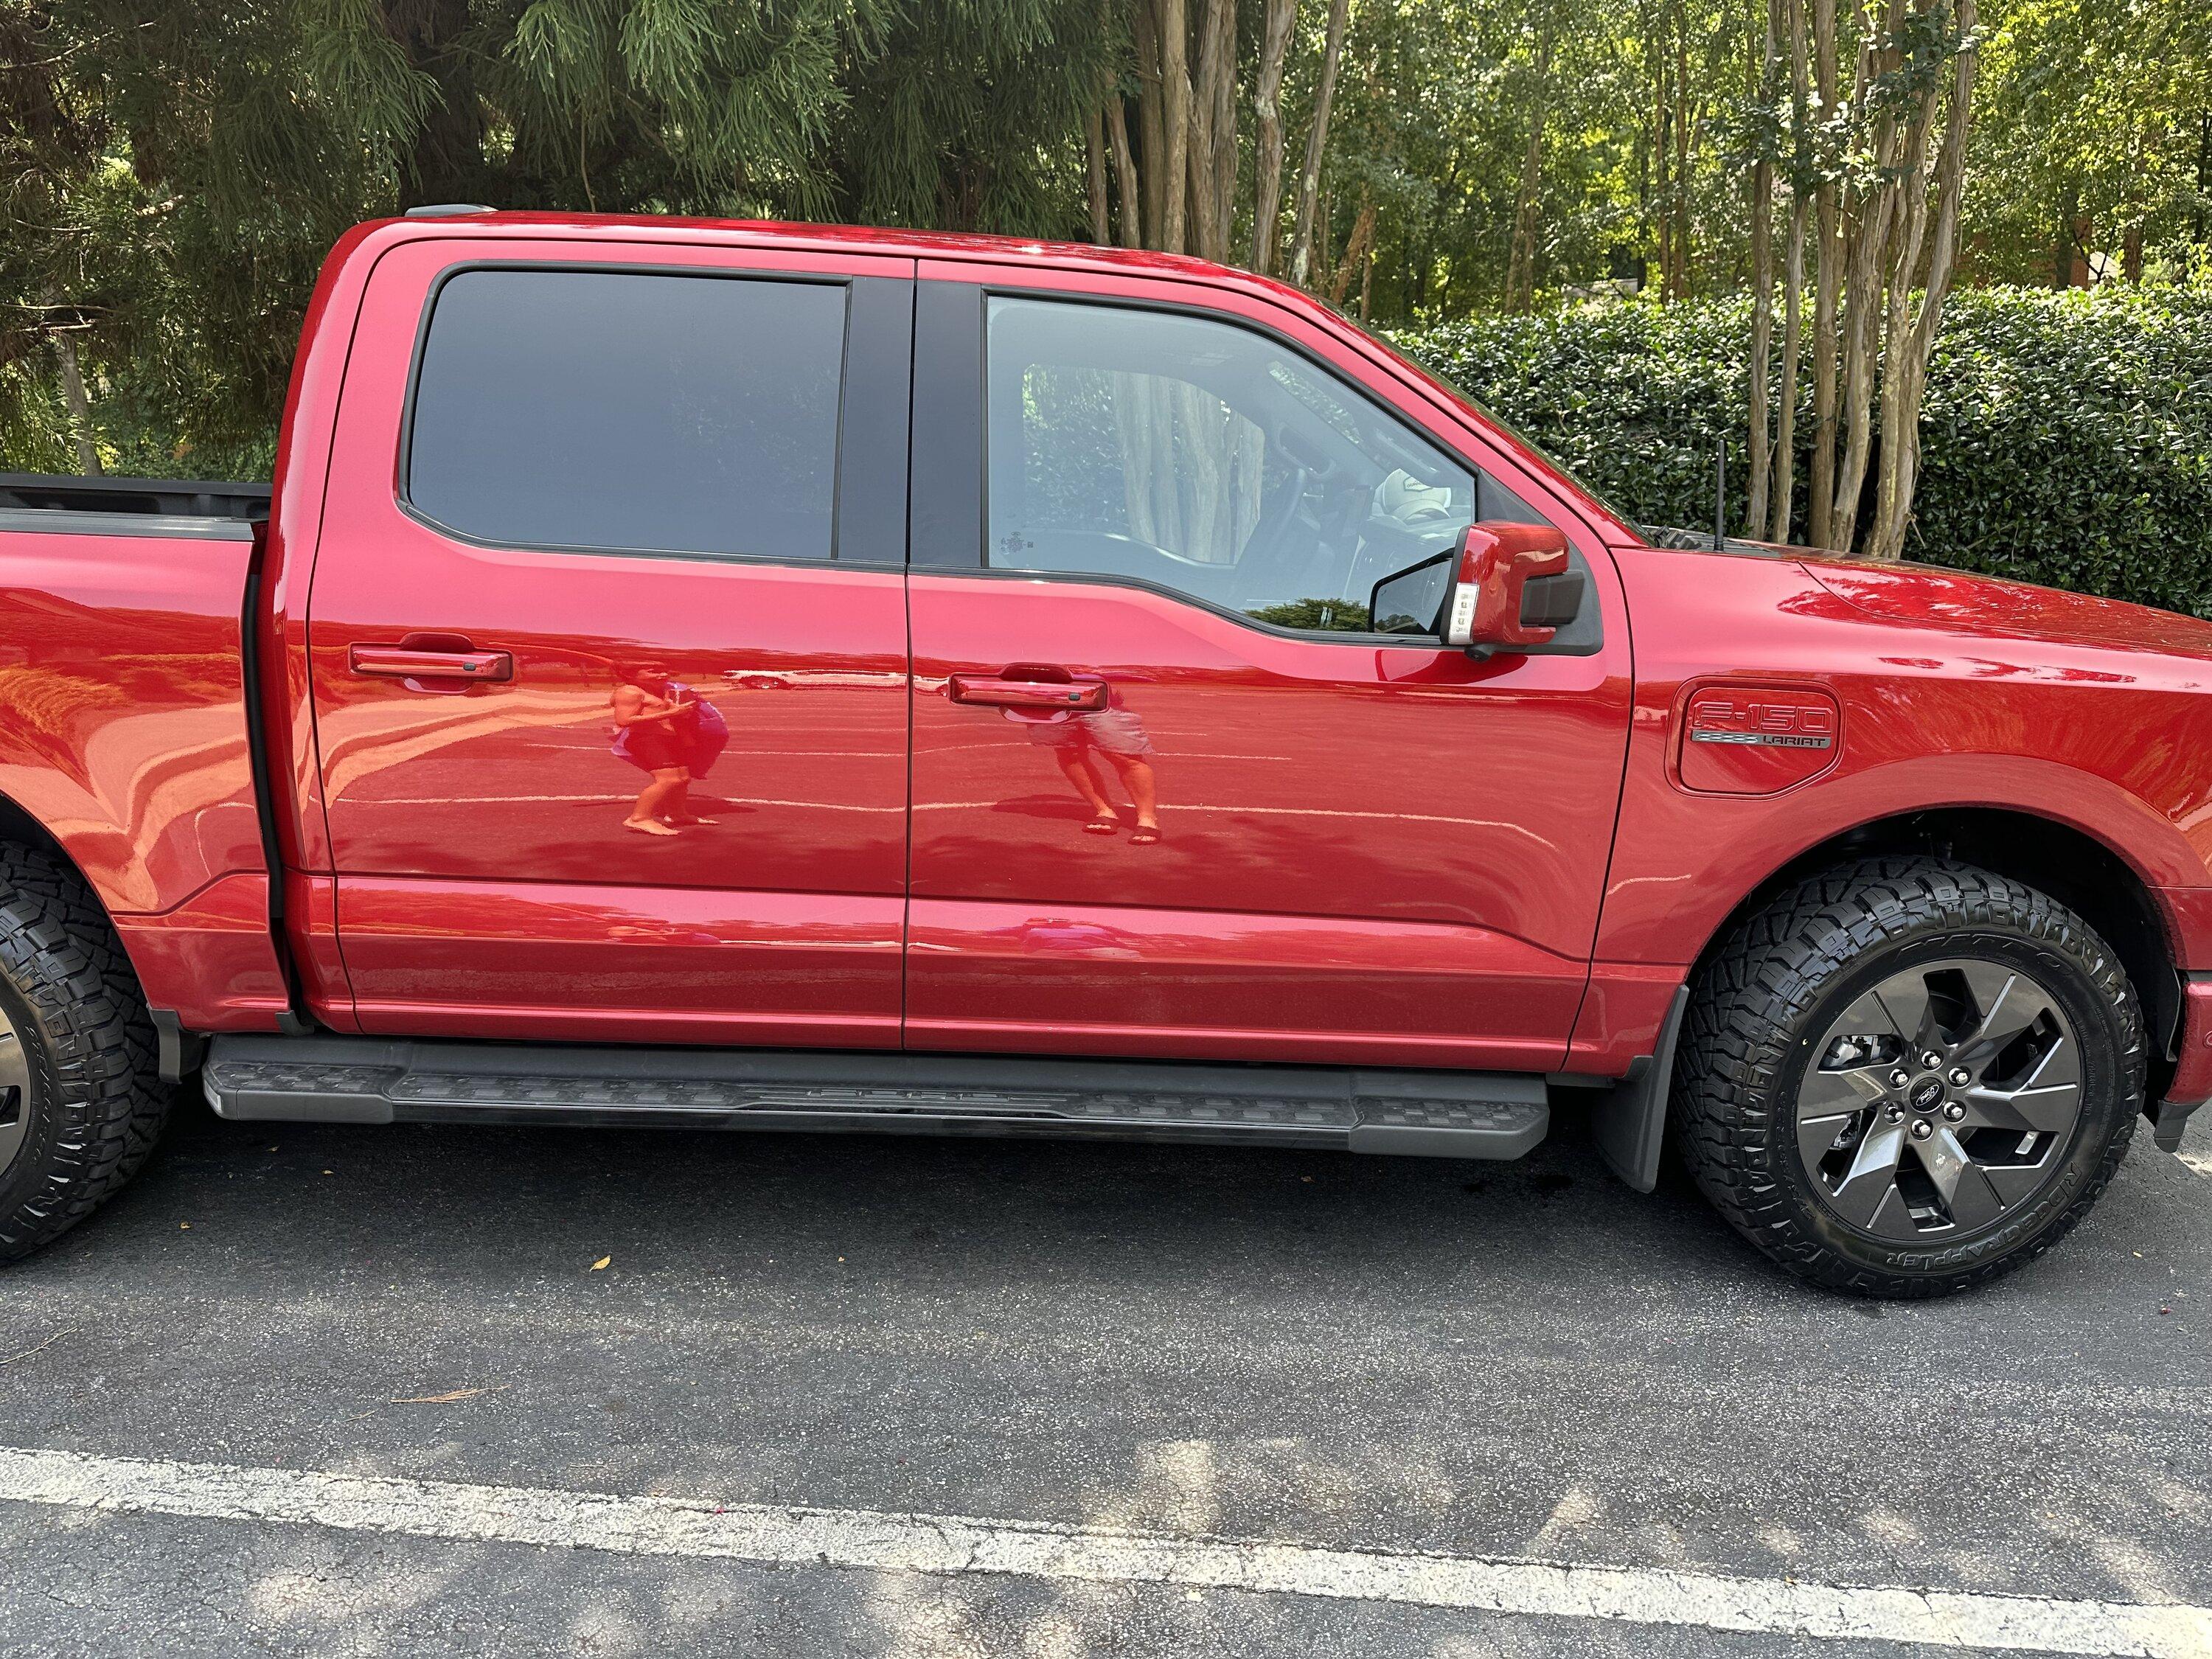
2094 147
175 174
2067 438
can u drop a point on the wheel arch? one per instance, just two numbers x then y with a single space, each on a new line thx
2079 870
22 828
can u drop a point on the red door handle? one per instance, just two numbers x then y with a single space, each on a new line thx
411 662
995 691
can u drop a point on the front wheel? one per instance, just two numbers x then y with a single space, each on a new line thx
1906 1076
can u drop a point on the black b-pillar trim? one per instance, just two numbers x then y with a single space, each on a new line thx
947 483
871 438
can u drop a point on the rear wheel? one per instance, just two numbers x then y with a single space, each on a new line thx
1904 1076
80 1101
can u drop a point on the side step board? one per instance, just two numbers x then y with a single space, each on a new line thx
339 1079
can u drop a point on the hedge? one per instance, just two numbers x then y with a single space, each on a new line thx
2066 439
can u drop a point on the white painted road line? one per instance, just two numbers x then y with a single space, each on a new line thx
954 1544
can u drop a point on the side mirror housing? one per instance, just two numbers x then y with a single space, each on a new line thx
1512 589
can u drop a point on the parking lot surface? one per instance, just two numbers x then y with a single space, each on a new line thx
289 1361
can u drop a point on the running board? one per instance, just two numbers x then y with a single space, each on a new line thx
338 1079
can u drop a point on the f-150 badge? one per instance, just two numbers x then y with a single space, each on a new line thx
1756 740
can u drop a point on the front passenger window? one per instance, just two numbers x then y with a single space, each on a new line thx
1207 459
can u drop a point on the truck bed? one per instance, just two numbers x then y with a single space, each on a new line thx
124 735
69 503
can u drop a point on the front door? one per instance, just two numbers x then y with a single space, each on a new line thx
1176 792
608 646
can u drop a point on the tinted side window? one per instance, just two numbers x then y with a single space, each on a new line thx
608 409
1208 459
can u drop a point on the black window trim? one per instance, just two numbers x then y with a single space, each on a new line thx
981 293
853 285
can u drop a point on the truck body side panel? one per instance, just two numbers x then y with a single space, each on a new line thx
1992 697
122 731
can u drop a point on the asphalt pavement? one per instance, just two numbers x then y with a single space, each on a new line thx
1367 1358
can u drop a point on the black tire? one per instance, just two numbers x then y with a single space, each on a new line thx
92 1105
1773 989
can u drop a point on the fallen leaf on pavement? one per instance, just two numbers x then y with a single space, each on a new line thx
603 1262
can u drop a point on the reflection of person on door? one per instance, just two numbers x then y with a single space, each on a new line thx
1080 742
656 730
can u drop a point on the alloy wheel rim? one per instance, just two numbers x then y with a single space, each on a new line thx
1940 1101
15 1095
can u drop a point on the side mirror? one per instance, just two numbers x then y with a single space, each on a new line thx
1512 590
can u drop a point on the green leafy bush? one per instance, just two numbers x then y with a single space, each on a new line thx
2066 438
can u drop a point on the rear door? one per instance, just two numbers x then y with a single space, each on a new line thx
1174 793
608 644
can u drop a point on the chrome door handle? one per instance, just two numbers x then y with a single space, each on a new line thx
996 691
404 662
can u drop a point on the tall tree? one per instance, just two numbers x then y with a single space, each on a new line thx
1302 240
1764 132
1279 20
1793 277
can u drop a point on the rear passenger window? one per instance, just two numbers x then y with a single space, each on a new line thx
594 409
1208 459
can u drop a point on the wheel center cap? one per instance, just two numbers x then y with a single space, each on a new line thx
1927 1094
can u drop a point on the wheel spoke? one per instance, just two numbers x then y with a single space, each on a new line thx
1907 1008
2042 1111
2007 1004
1873 1176
2015 1182
1840 1093
2046 1101
1964 1186
1827 1101
2060 1068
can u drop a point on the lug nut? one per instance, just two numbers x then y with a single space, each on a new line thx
1955 1112
1922 1128
1931 1059
1961 1077
1900 1078
1895 1113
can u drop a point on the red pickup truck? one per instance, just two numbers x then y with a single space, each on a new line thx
745 675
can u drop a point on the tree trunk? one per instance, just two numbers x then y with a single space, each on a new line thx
79 404
1278 20
1356 248
1151 122
1762 340
1199 232
1871 229
1680 288
1175 114
1905 372
1762 293
1125 173
1224 129
2061 250
1302 240
1820 479
1094 151
1793 284
1521 265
